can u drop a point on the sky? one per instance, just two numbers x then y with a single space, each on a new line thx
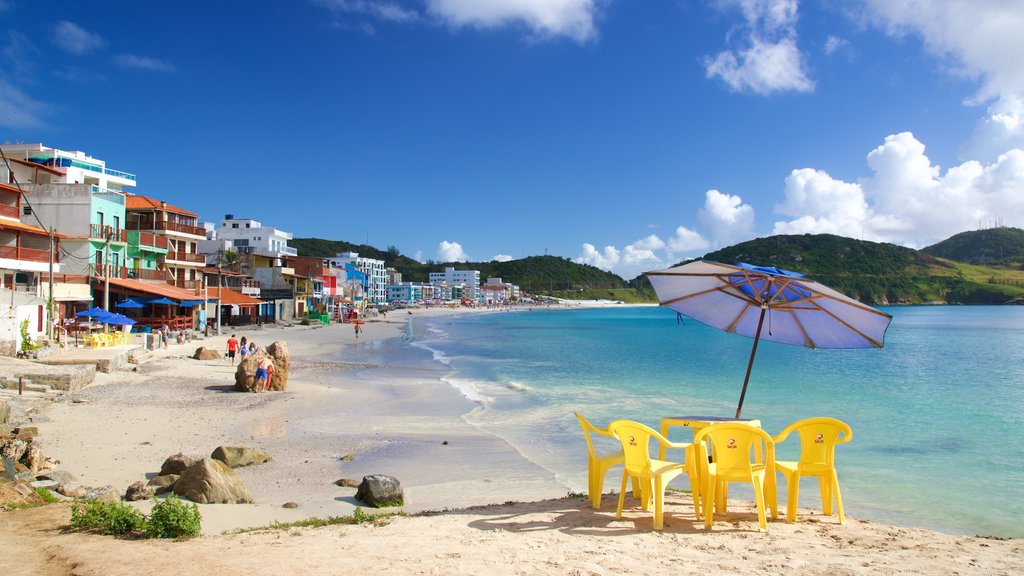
625 134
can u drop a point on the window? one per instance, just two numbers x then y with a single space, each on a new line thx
234 225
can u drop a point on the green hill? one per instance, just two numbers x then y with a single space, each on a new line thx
873 272
994 247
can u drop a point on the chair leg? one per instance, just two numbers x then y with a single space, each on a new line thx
839 497
659 503
593 491
695 492
622 497
792 492
758 482
825 486
709 500
771 493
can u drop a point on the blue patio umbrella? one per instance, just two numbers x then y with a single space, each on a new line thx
737 298
116 319
93 313
163 301
129 304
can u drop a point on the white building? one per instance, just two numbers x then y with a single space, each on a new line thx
245 236
376 277
468 279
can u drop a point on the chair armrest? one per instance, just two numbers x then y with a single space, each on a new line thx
679 445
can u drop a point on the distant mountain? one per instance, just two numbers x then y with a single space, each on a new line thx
872 272
994 246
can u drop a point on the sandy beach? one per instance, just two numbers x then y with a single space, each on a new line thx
501 514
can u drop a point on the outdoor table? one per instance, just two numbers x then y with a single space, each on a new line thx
698 423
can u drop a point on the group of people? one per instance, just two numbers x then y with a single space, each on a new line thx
264 368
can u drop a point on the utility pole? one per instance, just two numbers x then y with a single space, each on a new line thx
49 300
106 272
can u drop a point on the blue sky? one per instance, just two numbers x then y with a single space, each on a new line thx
627 134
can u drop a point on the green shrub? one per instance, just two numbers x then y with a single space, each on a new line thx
106 518
47 496
173 518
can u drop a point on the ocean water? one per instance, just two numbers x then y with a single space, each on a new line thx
937 415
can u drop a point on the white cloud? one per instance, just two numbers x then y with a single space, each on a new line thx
75 39
502 258
19 110
686 241
907 200
142 63
418 256
770 62
727 218
545 18
975 40
834 43
607 259
451 252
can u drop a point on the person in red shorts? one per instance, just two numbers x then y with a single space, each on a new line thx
232 348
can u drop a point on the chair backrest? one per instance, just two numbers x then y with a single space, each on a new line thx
732 445
818 439
587 429
635 439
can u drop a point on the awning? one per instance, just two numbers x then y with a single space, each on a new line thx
156 290
191 303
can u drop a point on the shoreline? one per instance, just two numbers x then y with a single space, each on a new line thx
458 481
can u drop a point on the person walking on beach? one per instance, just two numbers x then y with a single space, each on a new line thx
359 328
242 350
165 335
232 348
264 372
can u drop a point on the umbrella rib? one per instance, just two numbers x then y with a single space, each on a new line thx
708 291
867 338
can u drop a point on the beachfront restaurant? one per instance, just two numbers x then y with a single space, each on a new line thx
237 309
154 305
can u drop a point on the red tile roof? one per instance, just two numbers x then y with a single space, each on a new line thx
146 203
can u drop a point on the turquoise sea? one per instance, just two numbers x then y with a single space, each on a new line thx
937 415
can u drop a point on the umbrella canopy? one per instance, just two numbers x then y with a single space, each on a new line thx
737 298
93 312
163 301
129 304
116 319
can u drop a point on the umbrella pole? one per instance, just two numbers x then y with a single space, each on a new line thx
750 364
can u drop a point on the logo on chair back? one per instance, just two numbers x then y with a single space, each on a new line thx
632 440
819 439
731 444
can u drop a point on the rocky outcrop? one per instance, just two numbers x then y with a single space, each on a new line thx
278 354
138 491
105 494
163 484
204 353
176 464
210 481
238 456
380 491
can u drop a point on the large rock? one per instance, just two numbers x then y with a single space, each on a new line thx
278 353
138 491
204 353
163 484
380 491
210 481
176 464
238 456
105 494
33 458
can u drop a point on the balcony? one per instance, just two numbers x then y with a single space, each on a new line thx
147 274
29 254
148 239
9 211
115 271
168 227
101 232
182 256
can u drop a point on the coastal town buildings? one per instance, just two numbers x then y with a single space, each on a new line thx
466 283
376 278
255 243
165 236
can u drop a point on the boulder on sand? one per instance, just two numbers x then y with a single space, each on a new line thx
238 456
204 353
176 464
278 354
210 481
380 491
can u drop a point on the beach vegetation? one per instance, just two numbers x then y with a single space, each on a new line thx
111 518
357 517
47 496
27 345
173 518
347 458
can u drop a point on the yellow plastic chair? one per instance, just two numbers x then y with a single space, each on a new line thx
736 457
597 464
818 439
654 475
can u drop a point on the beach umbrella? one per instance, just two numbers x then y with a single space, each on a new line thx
129 304
167 301
739 298
116 319
93 313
